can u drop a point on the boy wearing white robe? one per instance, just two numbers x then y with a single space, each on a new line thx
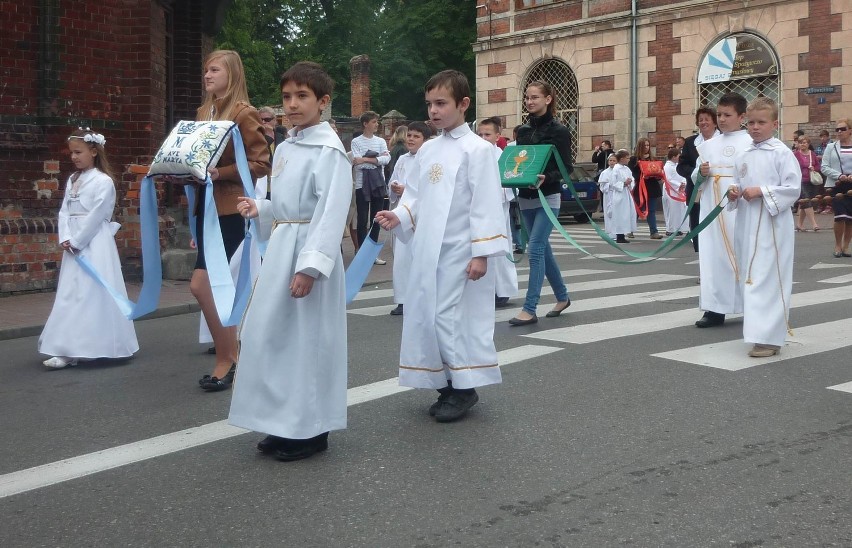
716 259
417 134
768 179
291 375
504 269
617 185
453 216
674 196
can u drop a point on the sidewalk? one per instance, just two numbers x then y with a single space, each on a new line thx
25 315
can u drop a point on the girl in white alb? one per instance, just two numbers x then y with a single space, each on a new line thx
85 322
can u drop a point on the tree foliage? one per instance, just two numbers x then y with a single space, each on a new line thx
406 40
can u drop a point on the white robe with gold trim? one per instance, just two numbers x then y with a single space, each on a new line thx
402 172
451 213
765 238
291 374
716 258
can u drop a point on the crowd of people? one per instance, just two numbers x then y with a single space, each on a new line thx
437 188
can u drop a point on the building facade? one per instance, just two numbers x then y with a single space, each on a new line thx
625 69
127 69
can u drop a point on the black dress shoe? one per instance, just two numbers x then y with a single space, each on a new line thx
556 313
214 384
302 449
456 405
444 393
501 302
710 319
396 311
212 350
270 444
518 321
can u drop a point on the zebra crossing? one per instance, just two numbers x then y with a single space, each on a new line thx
631 296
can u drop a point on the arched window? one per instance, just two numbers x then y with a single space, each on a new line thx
742 63
561 78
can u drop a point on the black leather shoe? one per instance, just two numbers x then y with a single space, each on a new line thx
518 321
396 311
302 449
214 384
555 313
501 302
456 406
444 394
270 444
710 319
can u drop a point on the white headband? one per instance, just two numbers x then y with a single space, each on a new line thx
92 137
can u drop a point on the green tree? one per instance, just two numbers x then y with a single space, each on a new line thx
406 40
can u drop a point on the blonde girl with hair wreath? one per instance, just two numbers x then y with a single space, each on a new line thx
85 322
225 98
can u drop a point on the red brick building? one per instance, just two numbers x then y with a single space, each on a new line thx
623 73
126 68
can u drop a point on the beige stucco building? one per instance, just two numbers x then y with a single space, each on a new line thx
625 69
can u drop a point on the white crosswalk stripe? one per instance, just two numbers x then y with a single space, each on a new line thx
626 327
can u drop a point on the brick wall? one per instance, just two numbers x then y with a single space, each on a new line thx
102 64
818 62
359 68
664 108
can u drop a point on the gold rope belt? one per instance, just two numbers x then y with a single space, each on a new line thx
288 222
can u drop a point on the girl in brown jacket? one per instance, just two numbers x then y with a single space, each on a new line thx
225 98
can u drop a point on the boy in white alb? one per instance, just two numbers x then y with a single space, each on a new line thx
504 269
616 183
768 179
453 216
417 134
716 259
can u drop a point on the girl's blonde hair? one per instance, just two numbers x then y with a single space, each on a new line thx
236 91
101 161
399 135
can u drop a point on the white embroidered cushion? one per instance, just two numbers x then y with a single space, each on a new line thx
191 148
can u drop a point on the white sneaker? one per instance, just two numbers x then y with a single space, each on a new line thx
59 362
380 262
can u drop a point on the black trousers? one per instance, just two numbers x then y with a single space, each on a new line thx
366 212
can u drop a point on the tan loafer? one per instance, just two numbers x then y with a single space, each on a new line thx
763 351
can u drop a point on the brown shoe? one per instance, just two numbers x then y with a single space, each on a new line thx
763 351
656 236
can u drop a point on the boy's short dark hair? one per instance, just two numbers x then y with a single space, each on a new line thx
674 151
734 100
453 80
368 116
824 133
622 154
705 110
421 128
310 74
494 121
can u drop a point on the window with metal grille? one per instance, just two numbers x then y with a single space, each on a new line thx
561 78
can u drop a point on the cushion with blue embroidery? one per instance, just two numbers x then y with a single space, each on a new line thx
191 148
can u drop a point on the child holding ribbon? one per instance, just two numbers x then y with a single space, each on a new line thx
85 322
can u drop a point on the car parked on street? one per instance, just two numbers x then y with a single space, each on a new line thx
587 193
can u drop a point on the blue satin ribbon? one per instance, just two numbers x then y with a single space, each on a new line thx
152 266
360 267
231 299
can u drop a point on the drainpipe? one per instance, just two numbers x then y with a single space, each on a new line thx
634 74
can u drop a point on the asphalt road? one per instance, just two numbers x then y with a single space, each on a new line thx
593 439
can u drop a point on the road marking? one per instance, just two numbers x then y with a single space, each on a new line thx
383 293
46 475
733 355
845 387
575 287
820 266
627 327
845 279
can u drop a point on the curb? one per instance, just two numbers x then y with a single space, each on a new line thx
34 330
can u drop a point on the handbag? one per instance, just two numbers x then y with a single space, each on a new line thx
816 176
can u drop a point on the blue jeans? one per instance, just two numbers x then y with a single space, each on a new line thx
542 261
652 215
